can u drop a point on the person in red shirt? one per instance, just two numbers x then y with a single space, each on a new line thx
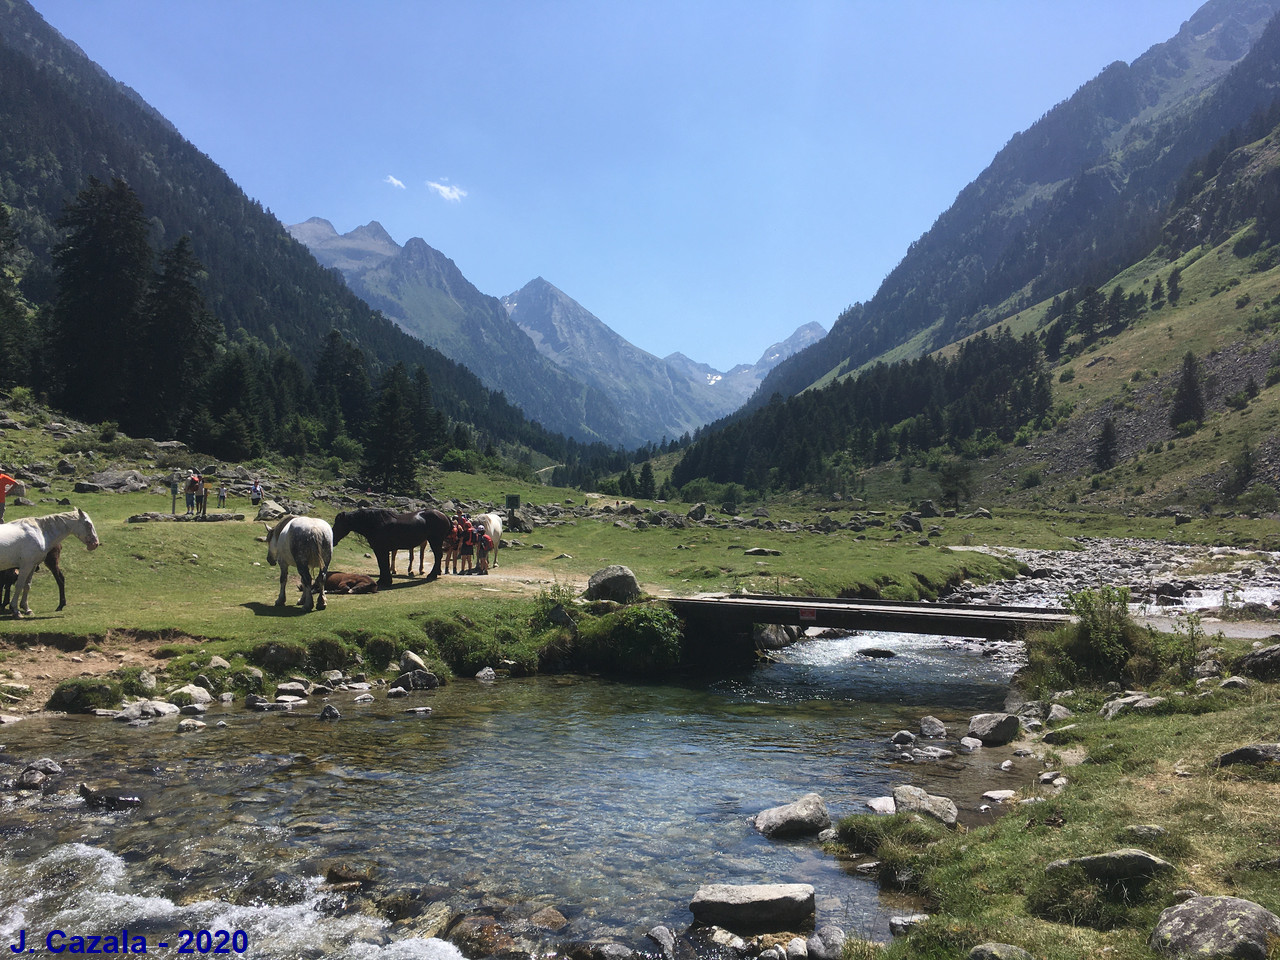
6 484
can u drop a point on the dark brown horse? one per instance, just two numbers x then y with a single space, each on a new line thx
386 530
9 577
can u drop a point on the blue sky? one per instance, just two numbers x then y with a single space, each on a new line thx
703 176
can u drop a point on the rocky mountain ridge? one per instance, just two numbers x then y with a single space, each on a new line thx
561 364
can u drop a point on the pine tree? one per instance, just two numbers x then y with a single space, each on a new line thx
1187 410
648 487
16 329
390 451
627 483
1104 454
103 265
176 344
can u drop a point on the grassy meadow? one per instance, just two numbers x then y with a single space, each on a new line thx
188 590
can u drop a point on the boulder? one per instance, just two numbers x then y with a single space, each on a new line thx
270 510
519 520
146 709
915 800
410 661
415 680
932 728
191 693
998 951
1215 928
774 636
114 799
765 907
1128 863
614 582
481 936
1254 754
697 513
1261 664
804 817
994 729
1062 734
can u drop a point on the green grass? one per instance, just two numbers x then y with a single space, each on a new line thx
989 883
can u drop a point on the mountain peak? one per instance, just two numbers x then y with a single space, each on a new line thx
315 230
372 231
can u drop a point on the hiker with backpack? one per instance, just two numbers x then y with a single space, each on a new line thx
484 544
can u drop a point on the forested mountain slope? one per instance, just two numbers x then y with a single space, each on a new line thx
1158 387
63 120
1071 200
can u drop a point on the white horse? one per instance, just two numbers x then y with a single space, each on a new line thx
492 524
301 542
26 542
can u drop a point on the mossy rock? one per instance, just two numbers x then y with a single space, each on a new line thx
279 656
84 695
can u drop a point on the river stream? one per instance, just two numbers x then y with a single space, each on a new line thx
611 802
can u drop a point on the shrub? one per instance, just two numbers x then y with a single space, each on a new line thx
1260 498
643 640
380 651
278 656
326 653
22 398
1104 633
131 682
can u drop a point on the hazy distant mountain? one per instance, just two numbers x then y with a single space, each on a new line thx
668 396
425 294
743 379
562 365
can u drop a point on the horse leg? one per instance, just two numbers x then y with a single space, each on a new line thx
306 600
51 561
19 606
284 579
321 574
384 569
437 555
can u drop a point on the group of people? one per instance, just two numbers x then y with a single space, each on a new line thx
467 541
198 491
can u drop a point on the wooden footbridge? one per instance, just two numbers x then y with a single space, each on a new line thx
732 615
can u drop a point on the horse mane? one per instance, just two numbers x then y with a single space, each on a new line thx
275 531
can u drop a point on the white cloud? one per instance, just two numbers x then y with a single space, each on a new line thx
446 191
393 181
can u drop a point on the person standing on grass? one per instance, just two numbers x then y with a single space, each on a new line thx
484 543
222 495
7 483
189 492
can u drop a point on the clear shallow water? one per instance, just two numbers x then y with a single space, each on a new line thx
611 802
